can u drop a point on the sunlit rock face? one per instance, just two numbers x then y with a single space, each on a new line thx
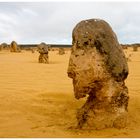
14 47
44 53
98 68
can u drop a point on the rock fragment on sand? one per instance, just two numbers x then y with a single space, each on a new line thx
43 50
98 68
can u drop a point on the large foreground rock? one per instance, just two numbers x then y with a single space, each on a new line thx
98 68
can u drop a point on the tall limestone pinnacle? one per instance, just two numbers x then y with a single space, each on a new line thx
99 68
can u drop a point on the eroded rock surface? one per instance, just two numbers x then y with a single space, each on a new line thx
43 50
98 68
14 47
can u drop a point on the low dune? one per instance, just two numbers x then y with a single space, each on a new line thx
37 100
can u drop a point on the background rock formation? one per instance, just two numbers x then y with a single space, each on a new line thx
98 68
61 51
43 50
133 46
4 46
14 47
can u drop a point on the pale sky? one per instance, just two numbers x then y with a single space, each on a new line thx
53 22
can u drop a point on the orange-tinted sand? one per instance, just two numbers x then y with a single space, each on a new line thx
37 100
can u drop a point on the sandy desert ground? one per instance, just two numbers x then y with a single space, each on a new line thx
37 100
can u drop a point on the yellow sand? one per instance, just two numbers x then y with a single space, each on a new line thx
37 100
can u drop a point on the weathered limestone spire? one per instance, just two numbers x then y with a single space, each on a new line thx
98 68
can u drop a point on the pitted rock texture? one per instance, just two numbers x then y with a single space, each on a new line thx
98 68
43 50
14 47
